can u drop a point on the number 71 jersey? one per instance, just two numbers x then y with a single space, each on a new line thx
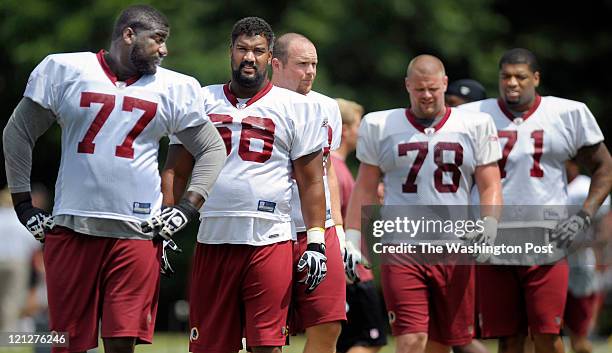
111 132
536 146
427 166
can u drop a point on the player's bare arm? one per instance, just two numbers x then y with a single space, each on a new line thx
596 159
364 193
204 143
176 173
309 177
490 189
334 192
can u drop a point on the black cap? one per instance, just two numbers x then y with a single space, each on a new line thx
470 90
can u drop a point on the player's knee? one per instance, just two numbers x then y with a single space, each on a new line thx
119 345
511 344
327 332
581 345
547 343
267 349
411 343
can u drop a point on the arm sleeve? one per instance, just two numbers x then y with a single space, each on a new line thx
309 134
28 122
208 150
487 141
336 125
188 108
585 130
367 143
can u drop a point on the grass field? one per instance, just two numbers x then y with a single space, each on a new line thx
176 343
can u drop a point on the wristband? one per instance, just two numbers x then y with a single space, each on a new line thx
315 235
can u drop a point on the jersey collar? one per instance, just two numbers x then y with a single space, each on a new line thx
232 98
526 115
109 73
412 119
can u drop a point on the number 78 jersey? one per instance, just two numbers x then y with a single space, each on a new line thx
536 146
427 166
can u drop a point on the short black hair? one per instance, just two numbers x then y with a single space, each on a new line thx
520 56
253 26
143 17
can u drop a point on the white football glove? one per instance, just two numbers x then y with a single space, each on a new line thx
351 253
566 230
486 237
313 260
36 220
171 220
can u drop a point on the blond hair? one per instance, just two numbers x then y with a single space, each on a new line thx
350 111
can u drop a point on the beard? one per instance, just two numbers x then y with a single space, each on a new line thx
248 81
144 64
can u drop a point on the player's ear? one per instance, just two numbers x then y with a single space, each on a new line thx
536 78
275 64
128 35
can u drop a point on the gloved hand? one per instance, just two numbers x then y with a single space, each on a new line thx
171 220
36 220
313 260
351 253
167 247
485 237
566 230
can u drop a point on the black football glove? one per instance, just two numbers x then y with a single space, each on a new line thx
171 220
168 246
36 220
313 260
566 230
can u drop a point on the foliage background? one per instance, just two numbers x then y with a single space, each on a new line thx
363 46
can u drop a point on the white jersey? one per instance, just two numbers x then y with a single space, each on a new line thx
333 134
262 138
111 132
536 146
583 277
427 166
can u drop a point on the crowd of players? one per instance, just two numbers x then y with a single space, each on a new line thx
259 162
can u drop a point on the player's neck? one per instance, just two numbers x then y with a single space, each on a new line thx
520 109
246 92
122 70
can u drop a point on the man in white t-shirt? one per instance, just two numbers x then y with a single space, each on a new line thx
242 270
538 135
113 107
428 154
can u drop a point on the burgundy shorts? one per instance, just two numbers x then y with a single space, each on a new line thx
327 303
95 279
579 312
239 291
433 299
513 298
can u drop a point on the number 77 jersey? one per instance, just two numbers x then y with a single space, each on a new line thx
111 132
536 146
427 166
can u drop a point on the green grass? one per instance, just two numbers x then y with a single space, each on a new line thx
178 343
